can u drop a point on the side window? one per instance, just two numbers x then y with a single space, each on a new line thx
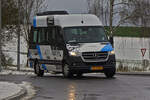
35 32
51 33
59 37
43 36
48 35
33 35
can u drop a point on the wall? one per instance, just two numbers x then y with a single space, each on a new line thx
128 52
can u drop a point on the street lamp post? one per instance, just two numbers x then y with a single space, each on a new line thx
0 33
18 47
0 15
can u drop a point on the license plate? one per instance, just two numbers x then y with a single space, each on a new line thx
97 68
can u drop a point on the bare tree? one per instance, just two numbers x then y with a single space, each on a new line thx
107 11
29 9
140 10
140 14
9 22
99 8
115 9
9 13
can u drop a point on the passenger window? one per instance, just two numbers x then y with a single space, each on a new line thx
35 36
51 34
47 36
59 35
42 36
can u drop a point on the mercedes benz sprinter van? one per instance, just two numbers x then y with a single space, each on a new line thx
72 44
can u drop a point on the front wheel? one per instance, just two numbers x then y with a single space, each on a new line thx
109 73
38 70
66 72
79 75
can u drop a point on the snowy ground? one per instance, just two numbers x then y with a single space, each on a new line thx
23 71
10 49
8 89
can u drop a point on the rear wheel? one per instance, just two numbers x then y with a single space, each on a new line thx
38 70
66 72
109 73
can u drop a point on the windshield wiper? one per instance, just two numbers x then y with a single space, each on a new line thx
72 42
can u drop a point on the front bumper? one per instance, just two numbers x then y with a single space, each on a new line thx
77 65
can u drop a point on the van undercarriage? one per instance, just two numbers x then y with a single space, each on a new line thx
76 65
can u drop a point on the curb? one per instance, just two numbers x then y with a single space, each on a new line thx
134 73
17 96
22 70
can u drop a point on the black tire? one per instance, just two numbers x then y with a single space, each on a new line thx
66 71
109 73
79 75
34 65
37 70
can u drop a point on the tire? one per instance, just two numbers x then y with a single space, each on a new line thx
34 65
109 73
38 70
79 75
66 72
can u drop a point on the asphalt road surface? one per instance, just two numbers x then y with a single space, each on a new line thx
90 87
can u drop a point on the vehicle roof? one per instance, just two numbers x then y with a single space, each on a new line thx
67 20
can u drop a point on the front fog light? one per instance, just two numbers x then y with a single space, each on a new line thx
112 52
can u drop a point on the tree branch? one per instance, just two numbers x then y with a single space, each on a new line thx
120 22
122 3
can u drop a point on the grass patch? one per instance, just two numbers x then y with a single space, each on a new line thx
131 31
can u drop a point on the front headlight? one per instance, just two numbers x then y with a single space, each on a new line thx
112 52
72 53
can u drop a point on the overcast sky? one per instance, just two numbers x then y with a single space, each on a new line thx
73 6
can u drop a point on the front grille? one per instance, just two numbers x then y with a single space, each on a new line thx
94 56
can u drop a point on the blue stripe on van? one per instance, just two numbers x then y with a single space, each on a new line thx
31 64
34 22
108 47
30 54
41 57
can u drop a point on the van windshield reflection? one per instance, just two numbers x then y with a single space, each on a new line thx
86 34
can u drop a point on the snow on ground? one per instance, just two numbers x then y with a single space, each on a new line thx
10 49
30 90
10 72
23 71
8 89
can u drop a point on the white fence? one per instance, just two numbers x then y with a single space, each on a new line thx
128 52
130 48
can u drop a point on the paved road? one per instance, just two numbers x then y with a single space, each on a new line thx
90 87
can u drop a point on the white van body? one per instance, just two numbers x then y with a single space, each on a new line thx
79 56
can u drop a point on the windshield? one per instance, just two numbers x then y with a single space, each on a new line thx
89 34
